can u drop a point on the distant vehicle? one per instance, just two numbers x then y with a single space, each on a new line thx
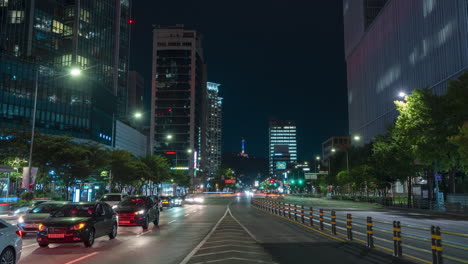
25 209
138 210
78 222
29 222
10 243
166 201
112 199
176 201
194 199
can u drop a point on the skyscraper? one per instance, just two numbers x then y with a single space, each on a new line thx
179 94
394 46
214 128
283 146
50 37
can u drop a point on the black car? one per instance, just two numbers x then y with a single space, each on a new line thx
166 201
138 210
78 222
29 222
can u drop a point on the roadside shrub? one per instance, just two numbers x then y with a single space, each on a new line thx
27 196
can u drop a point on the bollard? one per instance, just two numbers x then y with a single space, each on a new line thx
333 222
433 244
370 233
289 211
321 219
311 216
349 227
295 212
396 239
302 213
439 245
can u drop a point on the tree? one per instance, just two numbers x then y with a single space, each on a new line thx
159 167
461 142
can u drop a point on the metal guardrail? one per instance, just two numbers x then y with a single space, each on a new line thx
425 244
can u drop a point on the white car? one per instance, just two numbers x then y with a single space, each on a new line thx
10 243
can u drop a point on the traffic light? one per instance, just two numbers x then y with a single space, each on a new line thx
272 181
301 181
293 181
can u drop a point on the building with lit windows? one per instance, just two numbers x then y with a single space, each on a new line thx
178 98
50 37
395 46
282 146
214 128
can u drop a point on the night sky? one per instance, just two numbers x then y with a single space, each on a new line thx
274 59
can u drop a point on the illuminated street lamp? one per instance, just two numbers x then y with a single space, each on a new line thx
169 136
138 115
333 150
75 72
357 138
317 158
189 150
402 94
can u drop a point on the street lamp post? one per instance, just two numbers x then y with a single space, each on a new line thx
73 72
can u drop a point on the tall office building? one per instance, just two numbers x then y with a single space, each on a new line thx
214 128
50 37
178 96
136 88
283 146
394 46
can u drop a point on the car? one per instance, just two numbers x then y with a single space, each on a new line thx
138 210
194 199
10 243
112 199
29 222
24 210
78 222
176 201
166 201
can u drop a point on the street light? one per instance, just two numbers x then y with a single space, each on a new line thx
138 115
333 150
73 72
317 158
357 138
402 94
169 136
189 150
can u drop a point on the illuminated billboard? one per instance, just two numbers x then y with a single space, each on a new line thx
281 165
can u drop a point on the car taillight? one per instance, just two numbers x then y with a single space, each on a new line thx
19 233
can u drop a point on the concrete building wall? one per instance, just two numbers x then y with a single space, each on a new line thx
130 139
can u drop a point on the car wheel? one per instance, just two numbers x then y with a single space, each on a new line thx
43 245
90 241
113 234
8 256
145 225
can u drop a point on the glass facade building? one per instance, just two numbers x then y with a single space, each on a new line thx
214 128
178 117
51 37
396 46
282 146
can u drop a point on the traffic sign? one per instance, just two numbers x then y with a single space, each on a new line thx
438 177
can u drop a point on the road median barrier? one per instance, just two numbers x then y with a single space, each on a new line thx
421 244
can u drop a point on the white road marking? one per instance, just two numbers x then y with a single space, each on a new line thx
187 215
84 257
146 232
30 245
246 230
190 255
172 221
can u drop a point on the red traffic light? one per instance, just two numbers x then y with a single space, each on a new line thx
130 21
272 181
170 153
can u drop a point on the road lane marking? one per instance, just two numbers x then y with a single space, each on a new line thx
83 257
241 259
144 233
228 251
172 221
187 215
30 245
246 230
190 255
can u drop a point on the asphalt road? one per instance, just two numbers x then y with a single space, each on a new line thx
223 230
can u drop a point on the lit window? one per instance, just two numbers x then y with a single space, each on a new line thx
57 27
82 61
16 16
3 3
67 30
84 15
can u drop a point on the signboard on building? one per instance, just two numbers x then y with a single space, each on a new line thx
310 176
281 165
229 181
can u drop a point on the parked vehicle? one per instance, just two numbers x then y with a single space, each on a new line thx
138 210
112 199
10 243
78 222
29 222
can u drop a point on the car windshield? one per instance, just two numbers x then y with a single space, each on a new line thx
75 211
111 198
45 208
165 198
133 201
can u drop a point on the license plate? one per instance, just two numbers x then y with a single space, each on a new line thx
56 235
31 226
125 222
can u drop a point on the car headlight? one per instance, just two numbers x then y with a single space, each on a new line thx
42 227
140 212
199 200
189 199
20 220
78 226
114 206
